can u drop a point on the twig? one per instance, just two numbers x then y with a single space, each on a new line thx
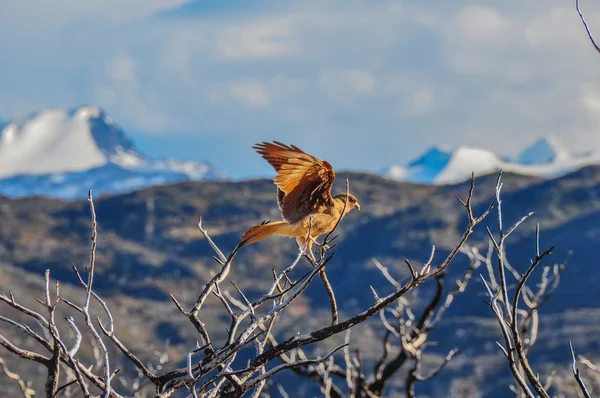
335 318
587 29
24 386
86 303
326 332
284 366
576 374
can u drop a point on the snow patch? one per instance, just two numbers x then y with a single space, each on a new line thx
88 112
124 158
397 172
189 168
60 153
464 160
51 142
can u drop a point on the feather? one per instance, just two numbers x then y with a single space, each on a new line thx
304 182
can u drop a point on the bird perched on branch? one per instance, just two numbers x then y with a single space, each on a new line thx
303 195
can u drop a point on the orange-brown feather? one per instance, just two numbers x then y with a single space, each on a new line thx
305 180
260 232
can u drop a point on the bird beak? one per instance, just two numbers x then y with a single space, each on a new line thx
357 205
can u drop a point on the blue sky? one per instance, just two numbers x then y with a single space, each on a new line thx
362 83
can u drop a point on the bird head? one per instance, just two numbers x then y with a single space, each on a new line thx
352 201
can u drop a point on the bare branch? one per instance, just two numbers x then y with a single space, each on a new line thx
587 29
284 366
211 370
26 329
24 386
335 317
86 304
576 374
590 365
78 337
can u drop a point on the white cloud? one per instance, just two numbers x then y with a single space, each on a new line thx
122 68
482 25
62 12
410 73
423 100
592 102
121 87
589 98
260 40
557 26
343 81
252 94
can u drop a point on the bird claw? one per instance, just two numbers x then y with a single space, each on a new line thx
322 246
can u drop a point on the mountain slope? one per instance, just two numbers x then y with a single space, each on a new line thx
60 153
543 151
109 179
149 246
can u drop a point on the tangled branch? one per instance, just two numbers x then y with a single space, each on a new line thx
519 328
211 369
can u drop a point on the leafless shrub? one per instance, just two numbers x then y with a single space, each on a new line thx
210 370
519 327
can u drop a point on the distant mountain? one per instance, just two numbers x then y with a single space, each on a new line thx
543 151
64 153
445 166
544 158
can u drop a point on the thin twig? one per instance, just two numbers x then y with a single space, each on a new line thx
24 386
587 29
576 373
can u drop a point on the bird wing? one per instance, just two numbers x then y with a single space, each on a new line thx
303 181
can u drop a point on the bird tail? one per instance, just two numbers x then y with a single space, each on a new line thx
263 231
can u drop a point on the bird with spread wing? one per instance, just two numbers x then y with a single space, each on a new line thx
303 195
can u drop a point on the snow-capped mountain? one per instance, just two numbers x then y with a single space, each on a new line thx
543 151
543 158
63 154
57 140
438 165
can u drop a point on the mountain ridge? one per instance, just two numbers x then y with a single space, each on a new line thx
64 153
545 157
149 246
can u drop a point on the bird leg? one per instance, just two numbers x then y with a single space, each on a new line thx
310 251
304 243
324 247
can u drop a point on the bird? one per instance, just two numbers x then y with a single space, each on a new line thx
304 197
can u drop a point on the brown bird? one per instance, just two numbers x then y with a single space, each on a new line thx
303 195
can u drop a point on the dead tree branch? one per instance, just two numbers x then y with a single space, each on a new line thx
519 328
210 369
576 373
24 386
585 25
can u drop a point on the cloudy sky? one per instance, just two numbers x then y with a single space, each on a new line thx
362 83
